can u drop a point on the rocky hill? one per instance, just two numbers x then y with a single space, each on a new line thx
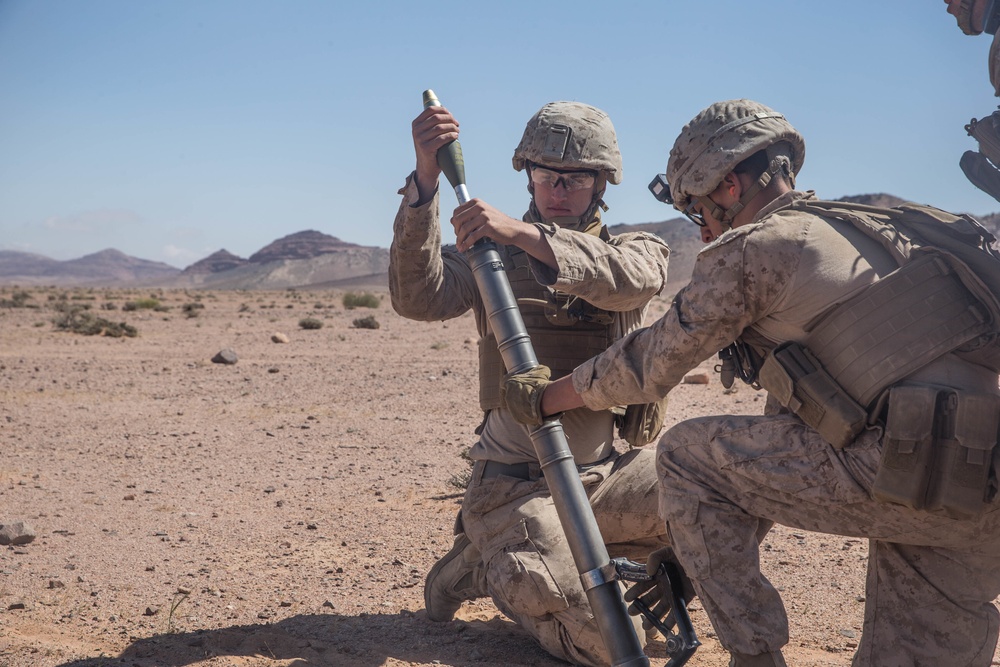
303 259
221 260
300 245
312 259
107 267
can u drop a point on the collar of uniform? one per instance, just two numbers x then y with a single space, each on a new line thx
783 201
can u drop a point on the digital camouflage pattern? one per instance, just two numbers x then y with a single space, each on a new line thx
932 579
719 138
570 135
529 569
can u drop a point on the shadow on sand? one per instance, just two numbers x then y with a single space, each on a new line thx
367 640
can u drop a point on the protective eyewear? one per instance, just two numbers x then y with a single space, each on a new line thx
661 190
572 181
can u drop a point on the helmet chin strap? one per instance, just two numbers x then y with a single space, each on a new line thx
725 217
581 223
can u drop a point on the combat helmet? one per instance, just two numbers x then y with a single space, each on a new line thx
964 16
570 135
720 138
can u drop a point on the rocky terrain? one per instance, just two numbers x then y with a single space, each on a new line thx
282 510
310 259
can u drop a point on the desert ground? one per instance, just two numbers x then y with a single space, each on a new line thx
282 510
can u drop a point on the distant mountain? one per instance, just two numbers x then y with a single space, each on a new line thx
301 245
311 259
107 267
221 260
304 259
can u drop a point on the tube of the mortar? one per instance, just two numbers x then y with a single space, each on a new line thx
568 495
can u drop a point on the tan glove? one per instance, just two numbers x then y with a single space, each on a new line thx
522 394
657 593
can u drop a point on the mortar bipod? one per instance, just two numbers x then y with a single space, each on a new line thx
682 644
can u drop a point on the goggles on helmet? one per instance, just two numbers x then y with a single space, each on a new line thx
572 181
661 190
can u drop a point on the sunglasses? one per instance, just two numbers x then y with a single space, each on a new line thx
572 181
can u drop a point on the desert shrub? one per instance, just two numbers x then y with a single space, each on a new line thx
460 480
192 309
310 323
78 319
108 305
367 322
18 299
439 345
142 304
363 300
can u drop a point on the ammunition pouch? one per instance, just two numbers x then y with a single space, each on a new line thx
792 375
639 424
939 451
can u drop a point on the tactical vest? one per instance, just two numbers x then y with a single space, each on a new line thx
945 297
565 330
939 444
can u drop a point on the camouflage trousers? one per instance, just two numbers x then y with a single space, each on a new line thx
530 571
932 580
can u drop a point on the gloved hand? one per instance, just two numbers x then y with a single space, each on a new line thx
522 394
656 594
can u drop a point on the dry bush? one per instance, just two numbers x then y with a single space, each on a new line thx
367 322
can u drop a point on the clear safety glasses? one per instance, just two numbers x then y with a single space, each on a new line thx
572 181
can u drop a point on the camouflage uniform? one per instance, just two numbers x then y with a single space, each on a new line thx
529 569
931 579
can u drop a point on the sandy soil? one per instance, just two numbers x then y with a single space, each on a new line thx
285 509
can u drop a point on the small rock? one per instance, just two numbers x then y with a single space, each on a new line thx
329 605
696 378
130 496
16 533
279 338
55 583
151 611
226 356
273 369
17 606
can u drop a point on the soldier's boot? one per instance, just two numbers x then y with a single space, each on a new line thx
774 659
459 576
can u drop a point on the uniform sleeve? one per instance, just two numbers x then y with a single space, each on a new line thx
618 275
426 281
725 296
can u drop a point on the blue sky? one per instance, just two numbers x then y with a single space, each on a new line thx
169 130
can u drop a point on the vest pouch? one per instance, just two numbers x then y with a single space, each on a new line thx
641 423
960 483
907 446
796 379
